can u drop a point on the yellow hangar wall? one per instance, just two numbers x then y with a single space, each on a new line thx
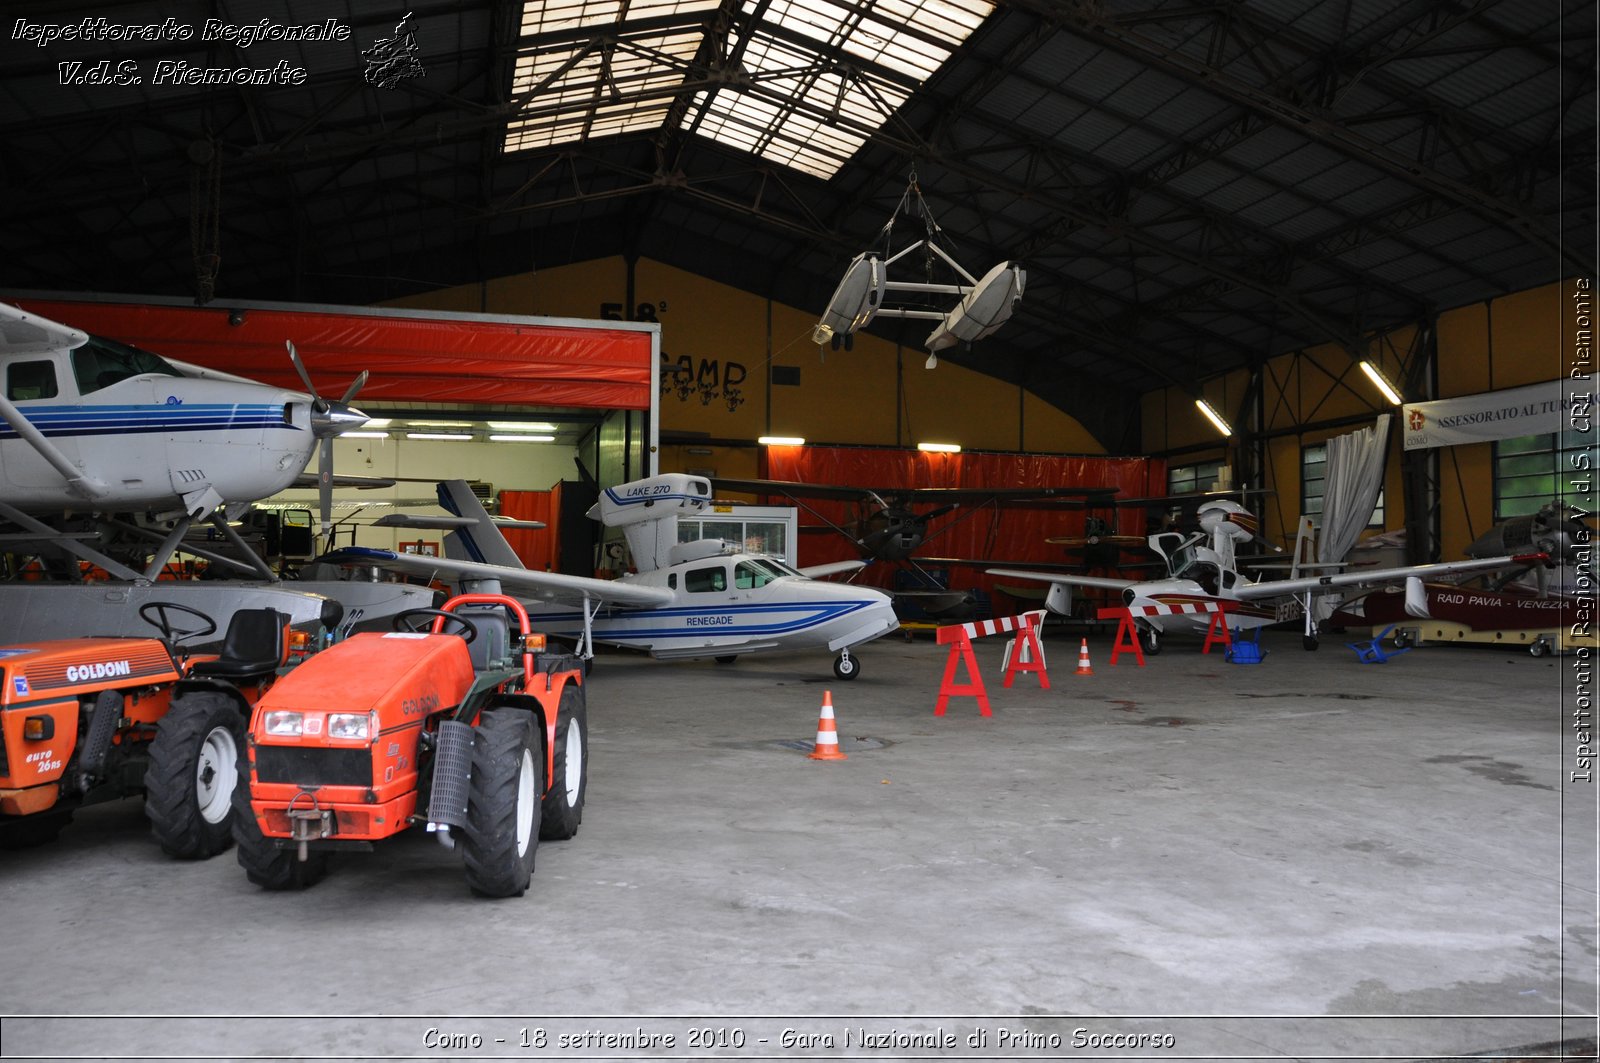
720 347
1523 338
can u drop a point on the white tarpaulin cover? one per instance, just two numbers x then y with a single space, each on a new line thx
1350 489
1491 415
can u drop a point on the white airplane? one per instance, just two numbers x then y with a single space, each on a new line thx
93 425
687 600
1199 576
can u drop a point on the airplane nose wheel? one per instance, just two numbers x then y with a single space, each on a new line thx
846 666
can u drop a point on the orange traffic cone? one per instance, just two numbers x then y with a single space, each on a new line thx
827 747
1083 659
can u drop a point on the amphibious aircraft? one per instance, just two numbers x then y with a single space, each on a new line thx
686 600
110 455
1201 576
93 425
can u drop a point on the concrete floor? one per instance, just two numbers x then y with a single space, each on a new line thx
1299 859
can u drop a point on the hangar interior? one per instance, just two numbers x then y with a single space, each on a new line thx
1243 202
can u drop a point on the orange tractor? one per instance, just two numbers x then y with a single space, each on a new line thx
465 726
95 719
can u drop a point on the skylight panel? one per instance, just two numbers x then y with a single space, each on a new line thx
807 107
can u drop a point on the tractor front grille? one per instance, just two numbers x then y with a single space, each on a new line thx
310 766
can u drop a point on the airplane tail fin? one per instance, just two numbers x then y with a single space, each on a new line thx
480 542
1305 546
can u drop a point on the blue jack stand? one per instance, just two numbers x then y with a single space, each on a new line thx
1372 652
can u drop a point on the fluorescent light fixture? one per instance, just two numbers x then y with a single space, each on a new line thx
379 422
440 424
522 437
1381 382
363 435
781 441
438 435
940 448
1213 416
521 426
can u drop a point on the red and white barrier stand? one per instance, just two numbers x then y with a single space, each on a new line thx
1128 636
959 638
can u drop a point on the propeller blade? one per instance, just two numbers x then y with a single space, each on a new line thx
941 511
325 484
305 377
355 385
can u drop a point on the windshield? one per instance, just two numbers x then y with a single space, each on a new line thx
102 362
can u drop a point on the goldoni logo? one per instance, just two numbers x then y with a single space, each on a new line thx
78 673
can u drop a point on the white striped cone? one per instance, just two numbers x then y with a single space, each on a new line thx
827 747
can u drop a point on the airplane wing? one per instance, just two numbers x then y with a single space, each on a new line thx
831 569
25 333
1101 582
443 523
1276 587
309 479
545 586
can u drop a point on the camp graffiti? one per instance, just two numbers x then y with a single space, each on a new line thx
709 378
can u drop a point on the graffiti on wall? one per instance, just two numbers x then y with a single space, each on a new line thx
711 380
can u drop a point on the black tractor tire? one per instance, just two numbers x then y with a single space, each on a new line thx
562 808
502 833
40 828
264 863
192 774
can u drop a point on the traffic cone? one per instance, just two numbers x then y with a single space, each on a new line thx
827 747
1083 659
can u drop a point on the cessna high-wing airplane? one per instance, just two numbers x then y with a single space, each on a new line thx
109 453
1201 575
686 600
93 425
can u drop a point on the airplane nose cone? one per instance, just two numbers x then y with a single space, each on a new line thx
328 419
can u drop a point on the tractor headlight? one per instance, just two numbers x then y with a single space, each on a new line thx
284 724
349 725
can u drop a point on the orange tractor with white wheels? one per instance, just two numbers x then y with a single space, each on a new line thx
96 719
464 725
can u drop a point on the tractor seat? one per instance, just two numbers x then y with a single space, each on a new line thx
253 646
492 647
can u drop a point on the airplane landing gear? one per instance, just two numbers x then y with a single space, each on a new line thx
1150 641
846 666
1309 642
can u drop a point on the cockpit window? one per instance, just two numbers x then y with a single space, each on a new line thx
748 575
31 380
102 362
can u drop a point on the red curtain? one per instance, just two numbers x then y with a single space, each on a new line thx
1006 535
537 549
410 359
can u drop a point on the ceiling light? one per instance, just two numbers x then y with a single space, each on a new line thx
1381 382
363 435
940 448
522 437
438 435
1213 416
379 422
521 426
439 424
781 441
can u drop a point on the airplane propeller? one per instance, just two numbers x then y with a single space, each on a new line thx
328 420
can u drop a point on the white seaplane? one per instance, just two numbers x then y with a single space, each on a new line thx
109 453
687 600
1200 577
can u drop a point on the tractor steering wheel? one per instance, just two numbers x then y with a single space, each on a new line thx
409 621
156 614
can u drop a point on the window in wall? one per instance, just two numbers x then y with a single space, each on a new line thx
1181 479
1313 483
1531 471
